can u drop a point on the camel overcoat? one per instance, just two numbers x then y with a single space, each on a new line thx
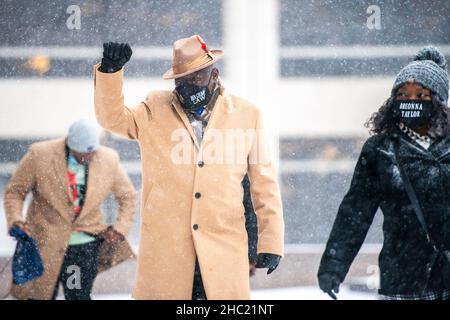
43 172
192 194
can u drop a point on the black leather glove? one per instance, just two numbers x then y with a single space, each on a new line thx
115 55
329 282
268 260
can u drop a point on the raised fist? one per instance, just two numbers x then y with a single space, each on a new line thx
115 55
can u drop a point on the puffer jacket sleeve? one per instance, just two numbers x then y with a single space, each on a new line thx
355 215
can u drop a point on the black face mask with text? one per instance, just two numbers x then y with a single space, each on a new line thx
192 96
413 113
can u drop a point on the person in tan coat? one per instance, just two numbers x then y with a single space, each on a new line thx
69 179
197 143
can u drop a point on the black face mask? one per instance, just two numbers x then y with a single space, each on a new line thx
192 96
413 113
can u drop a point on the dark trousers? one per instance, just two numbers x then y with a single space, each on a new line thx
78 271
198 291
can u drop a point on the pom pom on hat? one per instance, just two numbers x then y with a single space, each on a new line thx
433 54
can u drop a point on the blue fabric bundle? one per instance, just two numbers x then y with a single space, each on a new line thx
27 262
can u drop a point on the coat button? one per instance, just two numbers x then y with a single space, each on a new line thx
201 163
195 226
198 195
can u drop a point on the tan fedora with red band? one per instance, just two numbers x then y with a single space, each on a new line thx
190 55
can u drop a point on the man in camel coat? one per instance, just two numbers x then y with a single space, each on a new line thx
192 168
69 179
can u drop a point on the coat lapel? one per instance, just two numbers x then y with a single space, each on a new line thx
221 106
440 149
216 115
60 169
176 105
93 182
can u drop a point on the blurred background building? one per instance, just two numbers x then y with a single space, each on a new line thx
317 68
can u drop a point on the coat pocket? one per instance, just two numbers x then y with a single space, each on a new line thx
156 195
147 197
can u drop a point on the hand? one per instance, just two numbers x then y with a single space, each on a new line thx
115 55
22 226
112 236
329 282
268 260
252 269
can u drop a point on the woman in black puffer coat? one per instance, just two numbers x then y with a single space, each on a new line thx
412 129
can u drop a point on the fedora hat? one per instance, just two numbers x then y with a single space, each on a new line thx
190 55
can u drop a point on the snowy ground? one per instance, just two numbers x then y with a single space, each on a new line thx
294 293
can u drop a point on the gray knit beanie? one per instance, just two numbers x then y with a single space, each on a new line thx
84 136
428 69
